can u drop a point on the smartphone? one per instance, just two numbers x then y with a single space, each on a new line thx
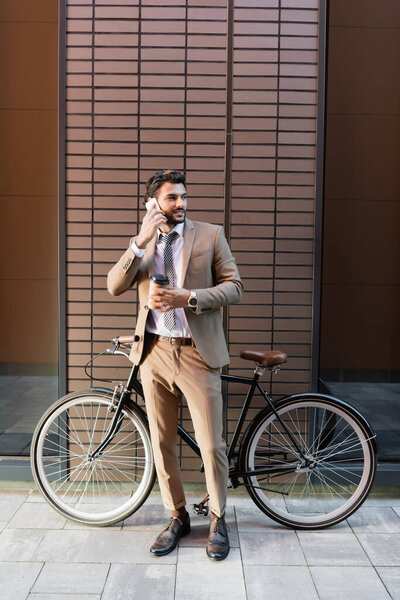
152 202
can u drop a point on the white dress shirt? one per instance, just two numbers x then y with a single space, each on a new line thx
155 320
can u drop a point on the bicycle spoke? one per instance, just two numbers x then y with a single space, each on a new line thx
324 477
75 440
93 489
318 440
76 469
66 470
330 448
112 449
88 478
64 453
303 443
337 472
289 449
123 473
322 485
105 472
345 450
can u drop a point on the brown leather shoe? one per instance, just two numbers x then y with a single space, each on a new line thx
218 541
168 538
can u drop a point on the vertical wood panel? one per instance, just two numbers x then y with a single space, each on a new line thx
147 89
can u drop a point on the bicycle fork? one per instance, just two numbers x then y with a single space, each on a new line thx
115 424
202 507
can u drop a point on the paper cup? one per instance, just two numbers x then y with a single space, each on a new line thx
156 281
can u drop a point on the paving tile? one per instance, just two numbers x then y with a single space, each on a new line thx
140 582
71 524
275 558
16 579
35 496
61 546
376 519
382 548
19 544
71 578
325 548
271 582
155 497
250 518
200 527
271 548
382 501
38 516
348 583
150 516
122 547
312 505
10 502
199 578
74 525
391 579
245 501
64 597
106 499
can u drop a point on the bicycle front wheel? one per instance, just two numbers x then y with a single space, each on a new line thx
96 491
326 486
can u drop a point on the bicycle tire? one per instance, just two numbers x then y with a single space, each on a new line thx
284 508
100 492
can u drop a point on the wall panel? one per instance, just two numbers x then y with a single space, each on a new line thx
226 93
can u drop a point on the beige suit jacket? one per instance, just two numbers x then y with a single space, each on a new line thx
208 268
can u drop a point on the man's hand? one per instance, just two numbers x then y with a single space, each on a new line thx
165 299
153 219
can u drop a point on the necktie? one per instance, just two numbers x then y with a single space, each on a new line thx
167 239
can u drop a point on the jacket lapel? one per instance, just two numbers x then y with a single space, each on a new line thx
188 239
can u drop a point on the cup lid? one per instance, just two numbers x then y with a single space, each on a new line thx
160 278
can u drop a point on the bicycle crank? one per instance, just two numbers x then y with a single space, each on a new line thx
202 507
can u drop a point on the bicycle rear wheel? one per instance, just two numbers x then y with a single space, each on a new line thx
338 473
99 491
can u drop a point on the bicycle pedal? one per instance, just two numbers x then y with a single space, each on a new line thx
200 509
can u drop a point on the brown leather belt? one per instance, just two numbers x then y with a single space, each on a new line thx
180 341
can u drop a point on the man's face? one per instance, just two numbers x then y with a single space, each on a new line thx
172 199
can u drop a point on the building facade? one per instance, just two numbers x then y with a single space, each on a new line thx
232 93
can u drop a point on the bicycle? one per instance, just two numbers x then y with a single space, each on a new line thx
307 460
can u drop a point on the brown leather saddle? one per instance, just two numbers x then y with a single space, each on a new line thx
268 358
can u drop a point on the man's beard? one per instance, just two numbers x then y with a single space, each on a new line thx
175 217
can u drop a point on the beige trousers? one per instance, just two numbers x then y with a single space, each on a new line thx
167 371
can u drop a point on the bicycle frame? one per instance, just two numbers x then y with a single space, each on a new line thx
133 385
256 452
123 392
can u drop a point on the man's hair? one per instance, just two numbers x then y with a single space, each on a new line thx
159 178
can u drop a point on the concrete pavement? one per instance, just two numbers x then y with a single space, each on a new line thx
44 556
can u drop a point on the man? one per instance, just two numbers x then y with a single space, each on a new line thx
180 345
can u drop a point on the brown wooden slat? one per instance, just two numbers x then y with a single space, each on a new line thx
134 105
